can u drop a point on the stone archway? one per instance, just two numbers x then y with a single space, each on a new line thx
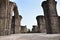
6 8
16 19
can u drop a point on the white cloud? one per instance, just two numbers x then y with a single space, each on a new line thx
12 0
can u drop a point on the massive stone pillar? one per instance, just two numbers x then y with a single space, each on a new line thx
51 16
18 24
4 28
41 23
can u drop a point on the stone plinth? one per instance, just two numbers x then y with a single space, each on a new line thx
41 23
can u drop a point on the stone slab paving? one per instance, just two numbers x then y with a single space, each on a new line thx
32 36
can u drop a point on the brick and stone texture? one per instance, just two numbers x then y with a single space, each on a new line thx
24 29
6 9
16 28
4 25
18 24
16 19
41 23
51 16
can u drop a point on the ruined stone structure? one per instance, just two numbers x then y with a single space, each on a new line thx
35 29
16 20
41 23
4 29
6 9
23 29
18 25
51 16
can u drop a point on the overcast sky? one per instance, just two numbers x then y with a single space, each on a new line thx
29 9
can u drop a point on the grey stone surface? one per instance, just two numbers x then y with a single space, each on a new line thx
41 23
33 36
6 9
4 18
24 29
16 19
51 17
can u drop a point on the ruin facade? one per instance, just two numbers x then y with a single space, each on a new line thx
51 17
6 10
16 19
41 23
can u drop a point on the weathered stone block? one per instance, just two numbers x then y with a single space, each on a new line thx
23 29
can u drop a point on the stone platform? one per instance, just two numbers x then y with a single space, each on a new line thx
31 36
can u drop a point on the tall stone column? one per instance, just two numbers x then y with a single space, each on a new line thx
11 19
4 29
51 16
18 24
38 23
41 23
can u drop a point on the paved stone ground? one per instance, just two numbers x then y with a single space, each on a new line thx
33 36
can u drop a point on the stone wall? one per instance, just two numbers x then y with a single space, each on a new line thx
4 25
